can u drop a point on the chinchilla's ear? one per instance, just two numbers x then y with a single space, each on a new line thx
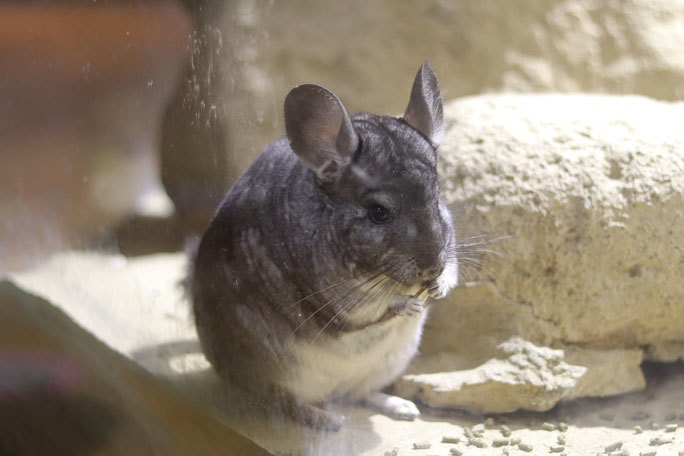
424 111
320 130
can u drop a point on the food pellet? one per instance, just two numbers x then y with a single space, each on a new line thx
655 426
548 426
489 422
525 447
506 431
671 427
468 433
451 439
515 440
480 443
638 429
556 448
659 441
421 446
392 452
561 439
456 452
648 453
500 442
613 447
563 426
479 428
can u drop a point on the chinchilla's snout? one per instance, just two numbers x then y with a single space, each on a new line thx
430 267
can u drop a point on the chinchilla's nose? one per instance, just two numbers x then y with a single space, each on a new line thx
428 270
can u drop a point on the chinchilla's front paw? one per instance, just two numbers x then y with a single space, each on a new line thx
407 306
442 285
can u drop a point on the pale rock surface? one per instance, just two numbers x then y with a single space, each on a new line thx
588 190
524 376
368 52
521 375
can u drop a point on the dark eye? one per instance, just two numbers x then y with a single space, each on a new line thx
379 214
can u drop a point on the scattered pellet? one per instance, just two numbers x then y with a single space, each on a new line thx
451 439
648 453
506 431
424 445
659 441
613 447
500 442
548 426
561 439
653 425
489 422
478 428
562 426
468 432
671 427
525 447
515 440
638 429
477 442
456 452
392 452
607 416
556 448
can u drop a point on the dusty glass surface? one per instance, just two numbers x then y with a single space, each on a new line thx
488 264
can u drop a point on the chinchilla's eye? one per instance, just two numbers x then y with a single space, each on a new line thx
379 214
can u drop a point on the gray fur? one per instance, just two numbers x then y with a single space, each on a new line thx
292 253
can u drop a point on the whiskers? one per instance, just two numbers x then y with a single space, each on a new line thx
349 293
473 253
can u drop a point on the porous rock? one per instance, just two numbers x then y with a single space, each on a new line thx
589 191
522 376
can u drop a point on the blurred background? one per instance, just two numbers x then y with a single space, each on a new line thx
123 122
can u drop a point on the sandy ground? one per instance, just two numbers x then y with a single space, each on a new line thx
137 307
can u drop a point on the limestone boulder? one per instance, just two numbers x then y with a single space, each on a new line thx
590 191
587 193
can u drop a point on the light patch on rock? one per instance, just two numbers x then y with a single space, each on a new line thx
524 376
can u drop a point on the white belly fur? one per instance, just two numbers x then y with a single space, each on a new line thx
354 364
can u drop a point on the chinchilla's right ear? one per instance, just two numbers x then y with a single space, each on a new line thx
320 130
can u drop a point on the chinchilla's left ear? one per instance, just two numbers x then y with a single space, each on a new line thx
424 111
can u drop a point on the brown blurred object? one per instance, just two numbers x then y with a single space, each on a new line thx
82 90
194 154
65 393
193 144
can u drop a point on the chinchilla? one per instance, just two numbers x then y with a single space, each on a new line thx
311 281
